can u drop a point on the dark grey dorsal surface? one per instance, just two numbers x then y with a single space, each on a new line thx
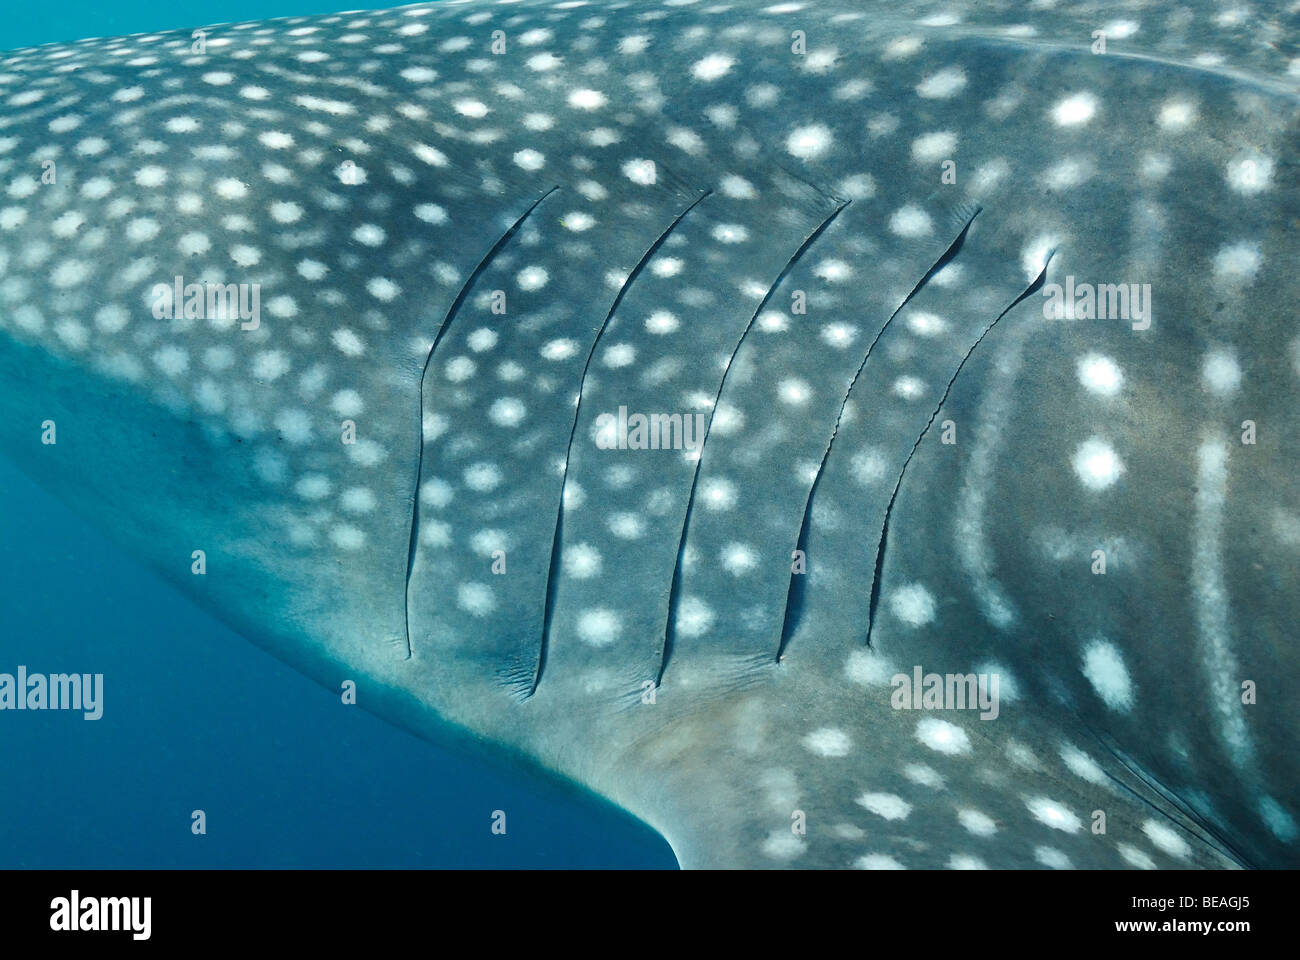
493 241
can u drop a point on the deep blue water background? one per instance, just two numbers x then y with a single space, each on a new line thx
196 717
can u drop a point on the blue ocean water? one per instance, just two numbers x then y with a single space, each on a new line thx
196 717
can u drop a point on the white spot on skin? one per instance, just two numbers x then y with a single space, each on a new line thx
909 388
642 172
712 67
977 823
833 271
838 335
1103 667
1053 814
270 365
245 256
1220 373
1053 858
633 44
1083 766
471 108
925 776
284 211
230 189
294 426
1075 111
1176 115
1238 261
738 559
482 477
718 493
1250 173
529 160
507 412
460 369
730 233
877 861
783 845
1068 173
945 83
347 537
111 318
559 349
542 62
381 288
532 278
348 342
943 737
736 187
1135 857
868 466
275 139
313 486
662 322
282 306
475 599
1155 166
934 146
358 500
925 324
626 526
1034 257
859 186
901 48
419 75
886 805
192 244
1165 838
145 177
913 604
351 175
172 360
599 627
911 221
809 142
1096 464
536 36
587 99
828 742
794 392
347 403
430 213
694 617
430 155
1100 374
1280 823
70 273
869 669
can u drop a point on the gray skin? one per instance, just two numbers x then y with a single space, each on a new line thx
653 192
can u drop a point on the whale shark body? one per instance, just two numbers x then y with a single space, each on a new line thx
842 434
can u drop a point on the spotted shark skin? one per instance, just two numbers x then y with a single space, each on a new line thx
477 227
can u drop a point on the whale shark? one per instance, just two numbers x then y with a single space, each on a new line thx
841 434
